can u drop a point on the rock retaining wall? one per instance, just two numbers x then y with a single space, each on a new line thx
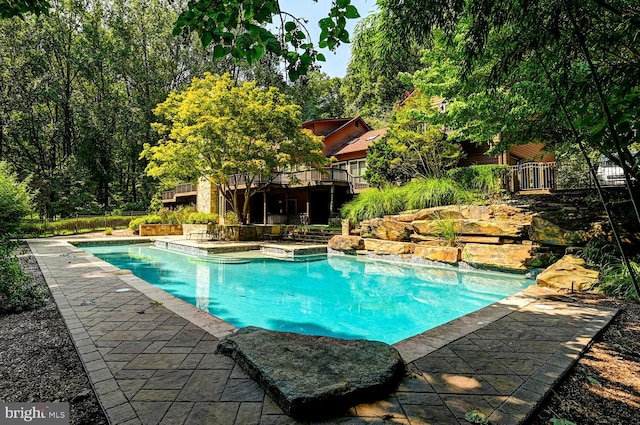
500 237
160 229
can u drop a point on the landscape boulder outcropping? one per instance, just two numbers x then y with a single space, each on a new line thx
308 375
498 237
568 273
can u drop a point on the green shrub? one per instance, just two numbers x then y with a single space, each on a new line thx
108 231
177 216
144 219
17 293
154 205
202 218
15 200
483 179
615 280
167 216
427 193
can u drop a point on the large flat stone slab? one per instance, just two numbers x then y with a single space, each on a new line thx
501 257
308 375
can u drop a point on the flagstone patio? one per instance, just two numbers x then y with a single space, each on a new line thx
151 357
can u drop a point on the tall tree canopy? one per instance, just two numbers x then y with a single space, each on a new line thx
371 86
319 96
581 56
237 135
77 91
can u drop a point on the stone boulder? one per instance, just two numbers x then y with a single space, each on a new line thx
512 257
471 212
387 229
568 273
348 244
442 254
545 232
307 375
388 247
444 212
471 227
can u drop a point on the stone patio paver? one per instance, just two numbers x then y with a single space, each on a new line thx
151 357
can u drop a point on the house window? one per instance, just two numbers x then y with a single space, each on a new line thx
340 165
357 167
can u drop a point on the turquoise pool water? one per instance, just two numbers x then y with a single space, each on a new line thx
336 296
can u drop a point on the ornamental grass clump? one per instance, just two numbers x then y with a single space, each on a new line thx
427 193
446 229
615 277
417 194
615 280
372 203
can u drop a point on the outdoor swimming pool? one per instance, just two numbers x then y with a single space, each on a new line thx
337 296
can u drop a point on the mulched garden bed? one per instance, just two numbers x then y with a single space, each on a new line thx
604 386
38 362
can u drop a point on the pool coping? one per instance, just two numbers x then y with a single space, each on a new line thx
411 349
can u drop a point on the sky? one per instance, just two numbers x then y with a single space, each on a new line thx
336 64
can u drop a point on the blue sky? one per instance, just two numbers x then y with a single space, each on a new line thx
336 64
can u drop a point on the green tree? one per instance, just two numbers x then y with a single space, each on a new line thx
318 95
15 200
371 87
38 78
519 110
77 91
580 56
413 146
238 29
237 135
583 55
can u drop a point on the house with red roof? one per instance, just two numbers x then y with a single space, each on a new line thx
310 195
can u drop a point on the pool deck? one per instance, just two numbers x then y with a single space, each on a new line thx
151 357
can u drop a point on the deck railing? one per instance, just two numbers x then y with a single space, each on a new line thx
296 177
186 188
180 190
